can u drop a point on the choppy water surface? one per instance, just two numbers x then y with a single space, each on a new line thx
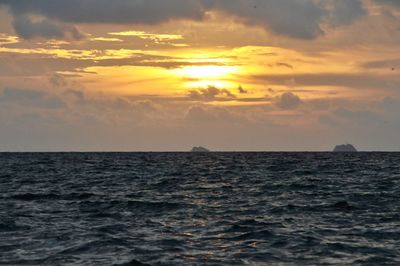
200 209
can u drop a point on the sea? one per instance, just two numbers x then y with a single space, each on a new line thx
200 209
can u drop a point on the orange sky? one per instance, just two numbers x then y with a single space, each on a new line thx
168 75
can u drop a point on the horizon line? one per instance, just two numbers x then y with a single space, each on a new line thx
188 151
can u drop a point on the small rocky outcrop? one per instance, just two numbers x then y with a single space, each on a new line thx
345 148
199 149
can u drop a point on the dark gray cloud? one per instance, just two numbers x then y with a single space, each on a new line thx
242 90
31 98
288 100
199 113
211 94
75 95
280 64
345 12
26 28
105 11
392 64
358 116
58 80
209 114
391 2
361 81
295 18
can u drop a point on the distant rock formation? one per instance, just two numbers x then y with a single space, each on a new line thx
345 148
199 149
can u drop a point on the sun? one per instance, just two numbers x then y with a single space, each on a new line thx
207 75
207 72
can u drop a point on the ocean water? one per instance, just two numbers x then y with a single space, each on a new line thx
199 209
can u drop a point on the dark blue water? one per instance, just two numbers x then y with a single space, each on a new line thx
200 209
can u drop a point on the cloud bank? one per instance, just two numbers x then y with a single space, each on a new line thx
302 19
26 28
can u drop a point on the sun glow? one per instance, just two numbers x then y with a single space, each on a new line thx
207 72
207 75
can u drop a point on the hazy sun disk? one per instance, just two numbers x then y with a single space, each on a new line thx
207 72
208 75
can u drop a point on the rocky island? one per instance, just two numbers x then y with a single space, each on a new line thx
345 148
199 149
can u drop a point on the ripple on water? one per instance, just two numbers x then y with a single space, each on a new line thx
199 209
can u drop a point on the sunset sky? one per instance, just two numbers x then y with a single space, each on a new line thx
167 75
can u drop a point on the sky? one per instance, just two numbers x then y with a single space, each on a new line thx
229 75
